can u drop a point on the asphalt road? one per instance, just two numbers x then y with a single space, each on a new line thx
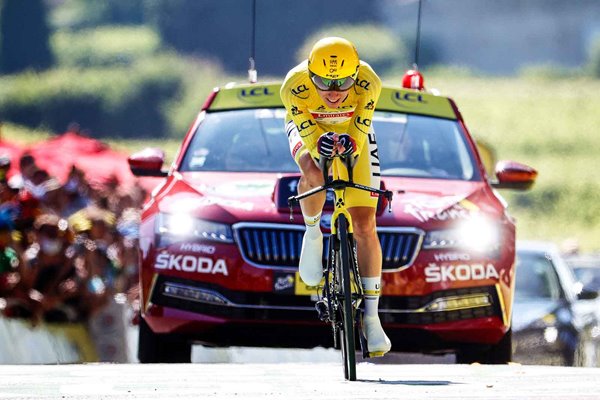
292 381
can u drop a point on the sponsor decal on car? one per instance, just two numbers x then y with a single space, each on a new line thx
212 200
461 272
452 257
197 248
425 208
254 95
245 188
190 263
283 283
401 98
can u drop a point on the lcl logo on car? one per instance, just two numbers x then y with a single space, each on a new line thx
404 99
254 95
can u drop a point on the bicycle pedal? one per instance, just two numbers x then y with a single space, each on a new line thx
322 310
376 354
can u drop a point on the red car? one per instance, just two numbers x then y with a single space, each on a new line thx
219 255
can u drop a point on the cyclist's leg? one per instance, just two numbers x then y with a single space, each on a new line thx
310 266
362 208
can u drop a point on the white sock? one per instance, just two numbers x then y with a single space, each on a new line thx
313 228
372 289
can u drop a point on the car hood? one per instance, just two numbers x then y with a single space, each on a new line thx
528 311
263 196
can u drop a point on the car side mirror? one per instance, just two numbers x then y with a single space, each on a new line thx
147 162
514 175
587 294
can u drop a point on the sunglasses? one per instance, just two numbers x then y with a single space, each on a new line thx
326 84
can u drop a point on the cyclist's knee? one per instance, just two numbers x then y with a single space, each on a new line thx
363 221
311 174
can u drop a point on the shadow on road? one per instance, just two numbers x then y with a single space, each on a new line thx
410 383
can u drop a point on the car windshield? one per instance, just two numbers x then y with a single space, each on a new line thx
588 276
255 141
536 277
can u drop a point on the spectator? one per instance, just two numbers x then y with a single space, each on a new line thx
9 260
14 299
95 236
76 191
55 280
4 167
65 249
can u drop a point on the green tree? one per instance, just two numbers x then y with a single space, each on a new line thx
79 14
24 36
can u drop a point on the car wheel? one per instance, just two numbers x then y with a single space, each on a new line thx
500 353
161 348
586 354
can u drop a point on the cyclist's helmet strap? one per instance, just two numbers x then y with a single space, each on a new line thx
333 58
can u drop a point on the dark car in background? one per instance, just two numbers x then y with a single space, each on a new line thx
555 320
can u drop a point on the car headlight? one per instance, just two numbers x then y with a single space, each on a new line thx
178 227
477 234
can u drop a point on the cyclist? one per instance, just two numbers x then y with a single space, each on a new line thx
330 99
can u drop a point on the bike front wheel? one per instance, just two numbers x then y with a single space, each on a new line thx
347 337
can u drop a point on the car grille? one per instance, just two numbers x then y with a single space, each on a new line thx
274 245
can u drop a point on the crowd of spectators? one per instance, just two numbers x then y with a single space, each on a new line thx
65 248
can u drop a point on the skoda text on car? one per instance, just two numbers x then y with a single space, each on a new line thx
219 253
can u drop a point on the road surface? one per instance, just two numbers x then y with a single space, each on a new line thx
296 381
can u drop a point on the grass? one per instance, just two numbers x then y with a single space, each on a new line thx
550 124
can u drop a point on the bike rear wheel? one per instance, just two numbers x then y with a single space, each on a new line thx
347 337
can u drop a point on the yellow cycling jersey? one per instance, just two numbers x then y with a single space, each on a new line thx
312 117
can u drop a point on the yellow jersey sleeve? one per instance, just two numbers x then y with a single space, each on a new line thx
366 92
297 93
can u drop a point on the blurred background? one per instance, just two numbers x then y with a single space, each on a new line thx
127 74
525 75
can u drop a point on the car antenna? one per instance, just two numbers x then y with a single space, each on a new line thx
252 74
413 79
418 41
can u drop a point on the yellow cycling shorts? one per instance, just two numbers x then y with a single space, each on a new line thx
366 170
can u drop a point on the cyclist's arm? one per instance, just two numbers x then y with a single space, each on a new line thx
294 91
367 89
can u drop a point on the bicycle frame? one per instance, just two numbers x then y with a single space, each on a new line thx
342 289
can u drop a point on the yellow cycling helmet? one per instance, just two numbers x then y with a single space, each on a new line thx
333 58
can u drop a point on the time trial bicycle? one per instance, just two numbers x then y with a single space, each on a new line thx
342 294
